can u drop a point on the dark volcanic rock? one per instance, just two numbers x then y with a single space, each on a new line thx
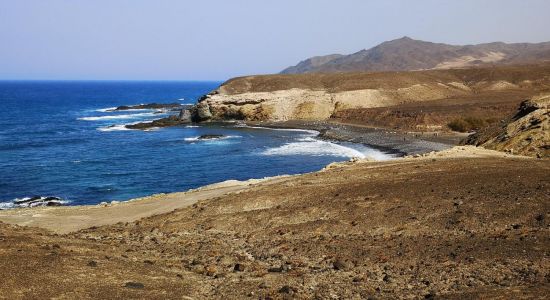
38 201
210 136
164 122
183 117
150 106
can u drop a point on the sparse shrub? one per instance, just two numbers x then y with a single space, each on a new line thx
468 124
459 125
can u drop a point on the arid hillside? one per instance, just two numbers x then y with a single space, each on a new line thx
458 225
320 96
527 132
406 54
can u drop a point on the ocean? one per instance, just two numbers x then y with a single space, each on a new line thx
58 138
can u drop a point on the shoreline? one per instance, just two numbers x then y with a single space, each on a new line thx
390 141
68 219
395 144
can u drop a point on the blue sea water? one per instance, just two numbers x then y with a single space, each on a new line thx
57 139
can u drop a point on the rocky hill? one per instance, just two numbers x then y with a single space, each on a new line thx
318 96
407 54
526 133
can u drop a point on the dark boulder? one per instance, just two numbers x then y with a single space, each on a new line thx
210 136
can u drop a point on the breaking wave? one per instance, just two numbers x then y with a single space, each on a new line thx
117 117
310 146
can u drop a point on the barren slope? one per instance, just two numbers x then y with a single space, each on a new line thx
406 54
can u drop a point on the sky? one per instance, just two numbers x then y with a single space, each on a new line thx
220 39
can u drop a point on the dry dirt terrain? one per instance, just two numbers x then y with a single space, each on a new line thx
466 224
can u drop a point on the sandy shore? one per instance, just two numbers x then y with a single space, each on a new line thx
73 218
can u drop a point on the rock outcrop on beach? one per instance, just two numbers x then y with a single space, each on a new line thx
526 133
320 96
407 54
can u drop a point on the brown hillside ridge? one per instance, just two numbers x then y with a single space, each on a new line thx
406 54
320 96
526 133
467 223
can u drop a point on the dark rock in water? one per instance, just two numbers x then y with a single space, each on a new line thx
38 201
134 285
51 198
164 122
210 136
150 106
27 200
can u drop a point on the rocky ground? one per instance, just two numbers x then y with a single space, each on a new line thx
456 225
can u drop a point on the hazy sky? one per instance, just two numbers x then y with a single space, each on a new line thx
209 39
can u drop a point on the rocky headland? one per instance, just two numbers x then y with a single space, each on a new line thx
322 96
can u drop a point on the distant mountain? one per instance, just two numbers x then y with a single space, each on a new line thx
406 54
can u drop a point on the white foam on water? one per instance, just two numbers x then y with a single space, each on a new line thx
120 127
108 109
312 147
115 117
6 205
10 205
192 126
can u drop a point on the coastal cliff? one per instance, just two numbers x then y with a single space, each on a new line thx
320 96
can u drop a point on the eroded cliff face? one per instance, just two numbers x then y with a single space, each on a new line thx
305 104
318 96
526 133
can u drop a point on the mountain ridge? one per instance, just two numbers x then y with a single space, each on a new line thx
407 54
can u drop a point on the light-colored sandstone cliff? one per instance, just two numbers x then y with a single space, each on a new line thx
318 96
